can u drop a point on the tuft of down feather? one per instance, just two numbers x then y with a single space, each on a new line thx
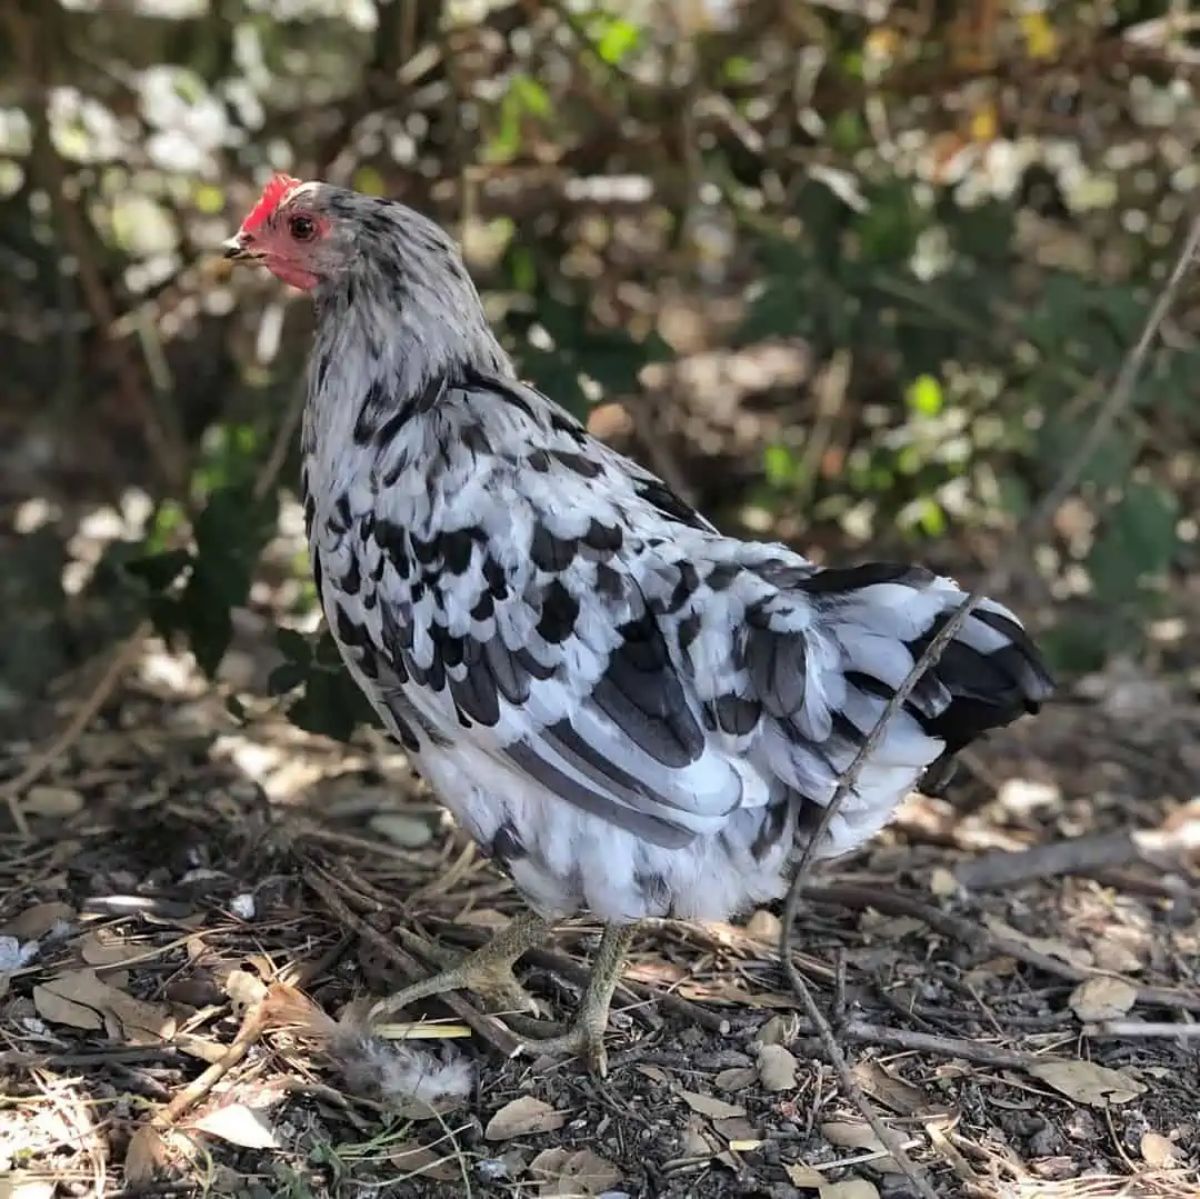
394 1073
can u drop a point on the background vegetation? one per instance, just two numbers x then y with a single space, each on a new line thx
852 273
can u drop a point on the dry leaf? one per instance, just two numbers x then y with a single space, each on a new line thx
1088 1083
78 998
145 1155
1118 956
776 1068
105 948
736 1128
51 801
1158 1151
736 1078
800 1175
779 1030
573 1172
709 1105
902 1097
1053 947
524 1116
851 1134
62 1009
38 920
852 1188
239 1125
1102 998
419 1161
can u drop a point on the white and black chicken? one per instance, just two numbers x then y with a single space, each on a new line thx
633 713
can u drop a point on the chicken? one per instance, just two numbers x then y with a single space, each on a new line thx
632 713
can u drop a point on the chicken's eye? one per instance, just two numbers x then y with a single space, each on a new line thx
302 228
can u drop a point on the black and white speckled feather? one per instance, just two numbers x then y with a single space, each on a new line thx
631 711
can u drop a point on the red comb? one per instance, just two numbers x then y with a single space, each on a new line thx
273 195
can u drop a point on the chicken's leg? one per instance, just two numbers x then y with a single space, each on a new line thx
586 1035
487 971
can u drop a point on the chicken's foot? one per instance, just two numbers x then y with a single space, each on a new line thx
586 1035
488 971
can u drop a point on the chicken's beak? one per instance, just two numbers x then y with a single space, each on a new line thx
237 248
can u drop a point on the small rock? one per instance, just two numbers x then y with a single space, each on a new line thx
51 801
776 1068
409 832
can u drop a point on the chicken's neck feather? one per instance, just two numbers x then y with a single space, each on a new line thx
403 318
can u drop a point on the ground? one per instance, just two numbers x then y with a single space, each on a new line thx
188 879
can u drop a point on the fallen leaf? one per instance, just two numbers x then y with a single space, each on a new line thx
51 801
62 1009
38 920
145 1155
563 1172
80 999
800 1175
709 1105
902 1097
852 1188
697 1141
419 1161
736 1128
524 1116
1115 955
653 1073
851 1134
1051 946
239 1125
102 947
736 1078
1088 1082
1158 1151
776 1068
779 1030
1102 998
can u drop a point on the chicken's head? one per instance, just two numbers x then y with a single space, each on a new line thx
294 234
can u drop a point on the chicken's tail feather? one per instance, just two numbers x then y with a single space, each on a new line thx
884 617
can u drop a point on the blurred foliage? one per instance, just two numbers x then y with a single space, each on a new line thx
961 211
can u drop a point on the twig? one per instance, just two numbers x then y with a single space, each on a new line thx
252 1028
1145 1028
969 932
488 1027
1077 855
1117 399
923 1042
928 659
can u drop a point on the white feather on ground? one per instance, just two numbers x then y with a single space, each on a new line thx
398 1074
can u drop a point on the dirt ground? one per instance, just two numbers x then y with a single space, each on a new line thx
189 877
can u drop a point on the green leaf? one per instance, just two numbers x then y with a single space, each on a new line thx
615 38
294 646
286 677
924 396
1138 540
530 95
159 571
331 705
779 465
